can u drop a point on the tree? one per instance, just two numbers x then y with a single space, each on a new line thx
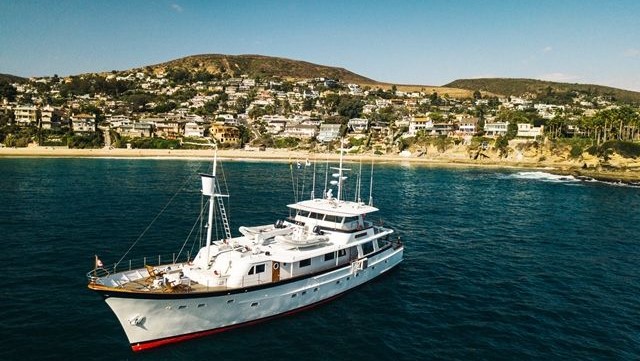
7 91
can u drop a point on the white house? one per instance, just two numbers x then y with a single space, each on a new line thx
193 129
418 124
329 132
358 125
300 131
83 123
25 115
526 130
495 129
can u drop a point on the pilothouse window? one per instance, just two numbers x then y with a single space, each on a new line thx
367 248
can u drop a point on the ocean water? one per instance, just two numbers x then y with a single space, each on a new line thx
499 265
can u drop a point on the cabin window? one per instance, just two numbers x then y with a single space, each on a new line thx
305 263
350 219
315 215
367 248
342 252
330 218
360 235
329 256
381 243
256 269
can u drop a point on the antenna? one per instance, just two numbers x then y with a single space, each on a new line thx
313 188
371 185
326 178
359 184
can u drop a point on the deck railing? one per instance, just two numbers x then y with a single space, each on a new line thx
139 263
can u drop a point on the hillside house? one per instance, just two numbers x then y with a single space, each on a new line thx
224 133
496 129
300 131
83 124
135 130
358 125
328 132
420 124
25 115
526 130
193 129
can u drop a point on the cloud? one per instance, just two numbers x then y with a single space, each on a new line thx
177 8
547 49
560 77
632 53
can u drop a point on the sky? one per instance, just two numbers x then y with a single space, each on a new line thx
428 42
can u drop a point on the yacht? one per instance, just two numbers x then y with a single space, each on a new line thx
324 248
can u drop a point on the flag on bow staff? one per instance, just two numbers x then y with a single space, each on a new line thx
99 263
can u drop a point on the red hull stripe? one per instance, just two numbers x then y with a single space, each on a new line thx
169 340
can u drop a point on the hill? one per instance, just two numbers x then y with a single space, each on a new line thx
518 87
261 66
12 78
268 66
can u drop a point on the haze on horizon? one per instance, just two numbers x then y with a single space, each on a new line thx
406 42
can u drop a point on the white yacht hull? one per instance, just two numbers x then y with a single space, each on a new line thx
151 321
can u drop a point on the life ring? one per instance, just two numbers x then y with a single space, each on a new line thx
276 265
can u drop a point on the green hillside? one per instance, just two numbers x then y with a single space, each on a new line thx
518 87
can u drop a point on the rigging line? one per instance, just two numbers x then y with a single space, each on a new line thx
154 219
226 188
190 232
202 204
304 177
293 184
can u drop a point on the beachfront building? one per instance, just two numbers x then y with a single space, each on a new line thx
25 115
420 124
358 125
83 123
193 129
467 125
49 119
224 133
526 130
329 132
496 129
443 129
166 128
135 130
300 131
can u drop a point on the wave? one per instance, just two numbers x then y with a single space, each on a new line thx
568 179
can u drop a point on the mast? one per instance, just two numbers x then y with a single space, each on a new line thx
340 173
210 188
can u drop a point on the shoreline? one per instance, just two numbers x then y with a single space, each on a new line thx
283 155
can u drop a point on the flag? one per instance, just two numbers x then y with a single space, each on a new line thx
99 263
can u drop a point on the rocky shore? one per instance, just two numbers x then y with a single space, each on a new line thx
615 169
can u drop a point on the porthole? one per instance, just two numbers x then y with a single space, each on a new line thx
254 304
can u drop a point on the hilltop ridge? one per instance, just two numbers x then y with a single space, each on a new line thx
522 86
260 66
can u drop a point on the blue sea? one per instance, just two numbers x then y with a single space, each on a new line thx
499 264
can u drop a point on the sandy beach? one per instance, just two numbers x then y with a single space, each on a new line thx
447 159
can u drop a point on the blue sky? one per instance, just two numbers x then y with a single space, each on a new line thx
403 42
